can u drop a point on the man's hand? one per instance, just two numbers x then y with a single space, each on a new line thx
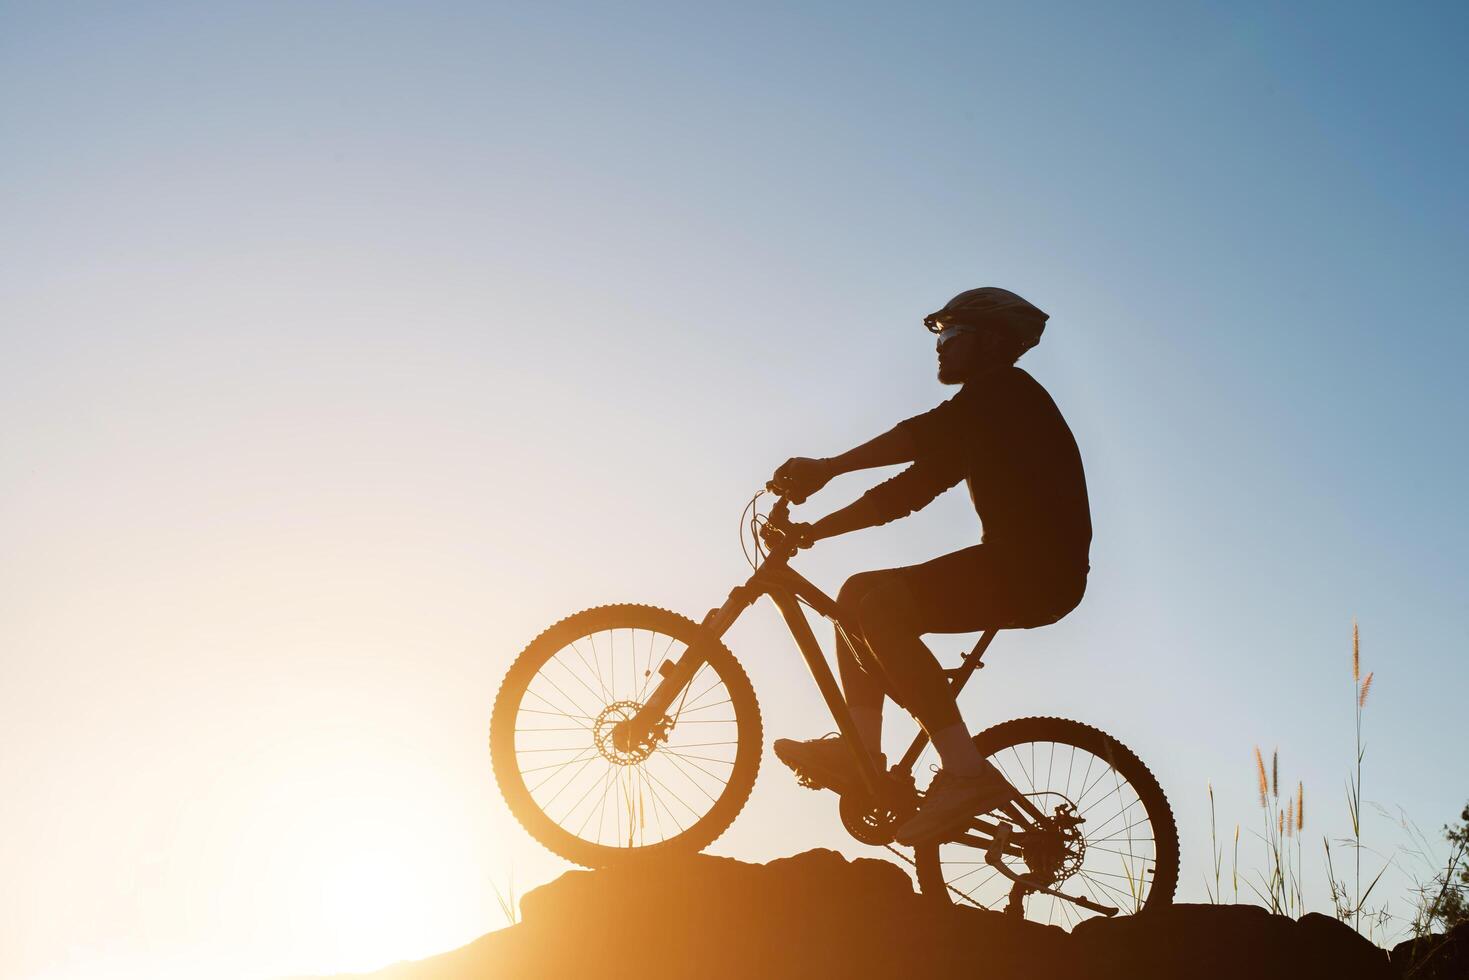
801 476
795 535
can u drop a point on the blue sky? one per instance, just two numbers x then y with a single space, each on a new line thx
345 346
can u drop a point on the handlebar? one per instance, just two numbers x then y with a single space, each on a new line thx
785 498
775 530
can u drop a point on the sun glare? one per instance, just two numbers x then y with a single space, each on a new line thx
374 879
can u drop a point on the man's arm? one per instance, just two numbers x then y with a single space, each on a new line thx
911 490
857 515
803 475
894 446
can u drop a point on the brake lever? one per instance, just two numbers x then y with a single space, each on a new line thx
786 497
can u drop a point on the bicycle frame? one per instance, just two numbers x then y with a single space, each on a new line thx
787 588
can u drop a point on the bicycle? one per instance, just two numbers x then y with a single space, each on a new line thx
653 765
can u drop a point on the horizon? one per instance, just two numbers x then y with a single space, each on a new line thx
348 347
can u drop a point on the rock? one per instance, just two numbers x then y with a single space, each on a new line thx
1436 957
1331 948
818 914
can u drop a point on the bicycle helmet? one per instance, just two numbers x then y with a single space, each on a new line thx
991 306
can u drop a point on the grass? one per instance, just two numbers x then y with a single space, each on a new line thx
1349 905
1279 886
508 900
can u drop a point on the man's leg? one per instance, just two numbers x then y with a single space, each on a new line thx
828 761
864 692
957 593
891 621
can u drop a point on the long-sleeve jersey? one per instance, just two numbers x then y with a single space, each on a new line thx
1004 435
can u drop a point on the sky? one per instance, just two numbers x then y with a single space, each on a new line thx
345 346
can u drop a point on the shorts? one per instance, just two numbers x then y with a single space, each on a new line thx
978 588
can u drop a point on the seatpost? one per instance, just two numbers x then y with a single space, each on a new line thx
958 677
971 662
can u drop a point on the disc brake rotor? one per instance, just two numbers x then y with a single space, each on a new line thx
609 734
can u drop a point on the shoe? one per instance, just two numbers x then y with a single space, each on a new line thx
951 801
824 763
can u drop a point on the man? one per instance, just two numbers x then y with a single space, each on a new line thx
1002 434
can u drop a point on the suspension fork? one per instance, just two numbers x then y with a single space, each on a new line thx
678 673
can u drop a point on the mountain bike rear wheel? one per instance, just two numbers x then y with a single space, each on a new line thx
1123 853
591 797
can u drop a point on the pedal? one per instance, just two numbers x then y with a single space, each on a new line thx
803 779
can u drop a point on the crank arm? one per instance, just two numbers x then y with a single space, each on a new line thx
993 858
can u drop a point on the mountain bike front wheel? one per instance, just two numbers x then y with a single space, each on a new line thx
592 797
1107 833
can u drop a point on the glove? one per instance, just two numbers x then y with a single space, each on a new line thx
801 476
801 535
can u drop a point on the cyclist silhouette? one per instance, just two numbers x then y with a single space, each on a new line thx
1002 434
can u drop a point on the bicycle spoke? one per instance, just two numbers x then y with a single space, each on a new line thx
598 695
1109 795
569 748
567 815
653 794
693 781
556 765
701 758
708 706
560 711
1123 830
657 800
1110 874
679 799
546 805
606 784
690 706
642 690
558 714
1100 776
1108 850
684 694
720 780
970 895
632 658
597 659
570 700
1021 763
1127 900
982 866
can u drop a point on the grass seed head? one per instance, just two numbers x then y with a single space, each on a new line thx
1366 686
1260 771
1356 653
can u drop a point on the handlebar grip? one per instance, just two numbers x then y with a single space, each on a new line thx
774 488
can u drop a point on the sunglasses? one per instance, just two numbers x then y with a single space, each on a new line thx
948 332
